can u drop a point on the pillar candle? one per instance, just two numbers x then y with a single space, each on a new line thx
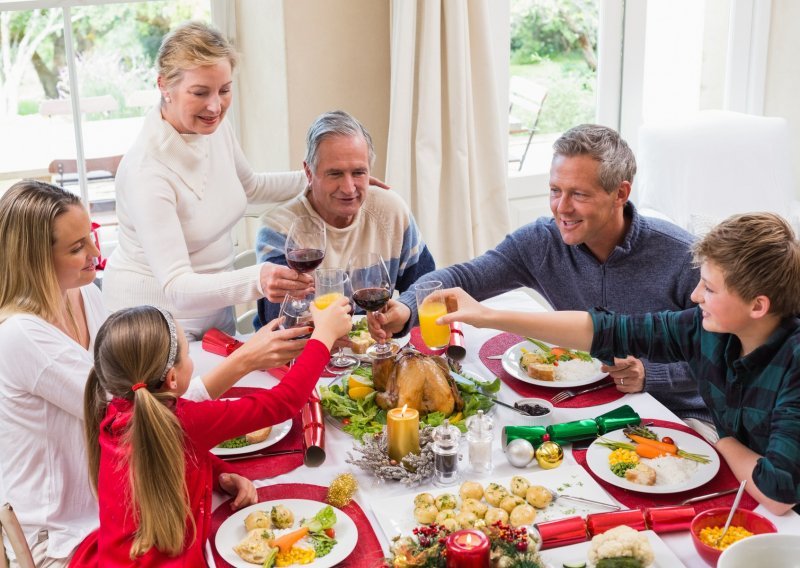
402 431
467 549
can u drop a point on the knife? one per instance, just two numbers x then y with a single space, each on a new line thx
709 496
263 454
495 356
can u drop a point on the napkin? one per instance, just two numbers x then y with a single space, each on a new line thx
499 344
723 480
219 342
367 553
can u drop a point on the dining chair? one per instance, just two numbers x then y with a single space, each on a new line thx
13 531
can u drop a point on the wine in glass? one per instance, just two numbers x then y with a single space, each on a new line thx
305 244
296 314
372 288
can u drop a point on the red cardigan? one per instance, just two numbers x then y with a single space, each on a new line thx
205 424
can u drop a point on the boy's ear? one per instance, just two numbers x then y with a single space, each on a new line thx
759 307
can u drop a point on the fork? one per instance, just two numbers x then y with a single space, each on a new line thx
567 394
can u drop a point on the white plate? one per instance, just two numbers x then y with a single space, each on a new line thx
774 550
278 433
664 557
510 362
232 531
597 460
399 341
395 515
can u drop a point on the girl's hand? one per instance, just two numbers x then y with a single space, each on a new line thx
272 347
331 323
277 281
469 311
241 488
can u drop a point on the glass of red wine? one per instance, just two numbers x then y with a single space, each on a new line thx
372 288
305 249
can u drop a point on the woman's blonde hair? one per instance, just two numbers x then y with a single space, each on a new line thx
189 46
758 254
28 281
131 347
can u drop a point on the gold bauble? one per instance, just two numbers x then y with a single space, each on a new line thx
341 490
549 455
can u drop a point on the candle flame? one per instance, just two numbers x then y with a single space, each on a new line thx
468 540
403 412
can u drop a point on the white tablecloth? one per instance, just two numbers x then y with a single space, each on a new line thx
338 444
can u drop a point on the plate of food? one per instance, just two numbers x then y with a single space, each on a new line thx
491 500
361 340
639 548
310 532
538 363
254 441
357 403
653 460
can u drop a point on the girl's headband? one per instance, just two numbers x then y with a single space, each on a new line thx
173 342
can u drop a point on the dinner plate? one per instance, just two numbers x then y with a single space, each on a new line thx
278 433
232 531
395 515
510 362
400 342
576 553
597 460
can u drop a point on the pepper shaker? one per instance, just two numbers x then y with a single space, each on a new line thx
445 454
480 431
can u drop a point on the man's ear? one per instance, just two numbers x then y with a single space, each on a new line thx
759 307
623 192
308 172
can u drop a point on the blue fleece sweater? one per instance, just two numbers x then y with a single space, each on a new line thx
650 271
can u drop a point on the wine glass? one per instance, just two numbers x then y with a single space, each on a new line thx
372 288
305 244
340 363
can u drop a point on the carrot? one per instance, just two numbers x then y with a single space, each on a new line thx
286 542
664 448
649 452
558 351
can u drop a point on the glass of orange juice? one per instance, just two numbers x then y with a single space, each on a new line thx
328 286
434 335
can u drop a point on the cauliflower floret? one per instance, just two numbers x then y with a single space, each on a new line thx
621 541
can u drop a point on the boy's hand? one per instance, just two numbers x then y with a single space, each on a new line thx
628 374
241 488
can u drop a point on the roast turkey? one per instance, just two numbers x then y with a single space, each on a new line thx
421 381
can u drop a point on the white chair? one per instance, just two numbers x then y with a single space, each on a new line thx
10 526
244 322
701 169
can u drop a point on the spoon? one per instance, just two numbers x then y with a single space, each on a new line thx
733 510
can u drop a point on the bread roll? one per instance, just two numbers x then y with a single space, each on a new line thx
258 436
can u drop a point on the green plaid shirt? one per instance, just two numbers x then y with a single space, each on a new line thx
755 399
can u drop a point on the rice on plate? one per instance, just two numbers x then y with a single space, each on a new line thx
577 370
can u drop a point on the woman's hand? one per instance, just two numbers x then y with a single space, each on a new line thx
277 281
378 183
272 347
333 322
628 374
241 488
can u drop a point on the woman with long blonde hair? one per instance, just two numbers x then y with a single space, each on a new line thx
49 315
149 457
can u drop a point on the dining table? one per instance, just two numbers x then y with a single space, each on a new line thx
340 445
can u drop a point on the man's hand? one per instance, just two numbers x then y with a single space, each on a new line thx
628 374
384 324
277 281
241 488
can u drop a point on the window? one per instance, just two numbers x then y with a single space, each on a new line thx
103 52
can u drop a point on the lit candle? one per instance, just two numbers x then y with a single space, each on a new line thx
402 429
467 549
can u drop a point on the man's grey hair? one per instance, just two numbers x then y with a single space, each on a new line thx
335 123
617 163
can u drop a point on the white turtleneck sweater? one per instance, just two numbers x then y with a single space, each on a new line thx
178 197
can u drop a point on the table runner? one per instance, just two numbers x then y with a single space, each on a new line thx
499 344
723 480
270 466
366 554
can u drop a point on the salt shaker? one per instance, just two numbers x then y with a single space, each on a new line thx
479 440
445 454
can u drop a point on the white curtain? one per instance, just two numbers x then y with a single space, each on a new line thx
447 137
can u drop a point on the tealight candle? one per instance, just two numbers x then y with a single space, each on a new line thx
467 549
402 430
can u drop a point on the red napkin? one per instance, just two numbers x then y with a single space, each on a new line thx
501 343
366 554
264 467
219 342
723 480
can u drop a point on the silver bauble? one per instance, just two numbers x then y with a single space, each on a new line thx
519 452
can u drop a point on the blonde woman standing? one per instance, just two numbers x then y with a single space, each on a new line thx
49 315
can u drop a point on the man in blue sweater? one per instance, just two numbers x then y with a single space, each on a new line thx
596 251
